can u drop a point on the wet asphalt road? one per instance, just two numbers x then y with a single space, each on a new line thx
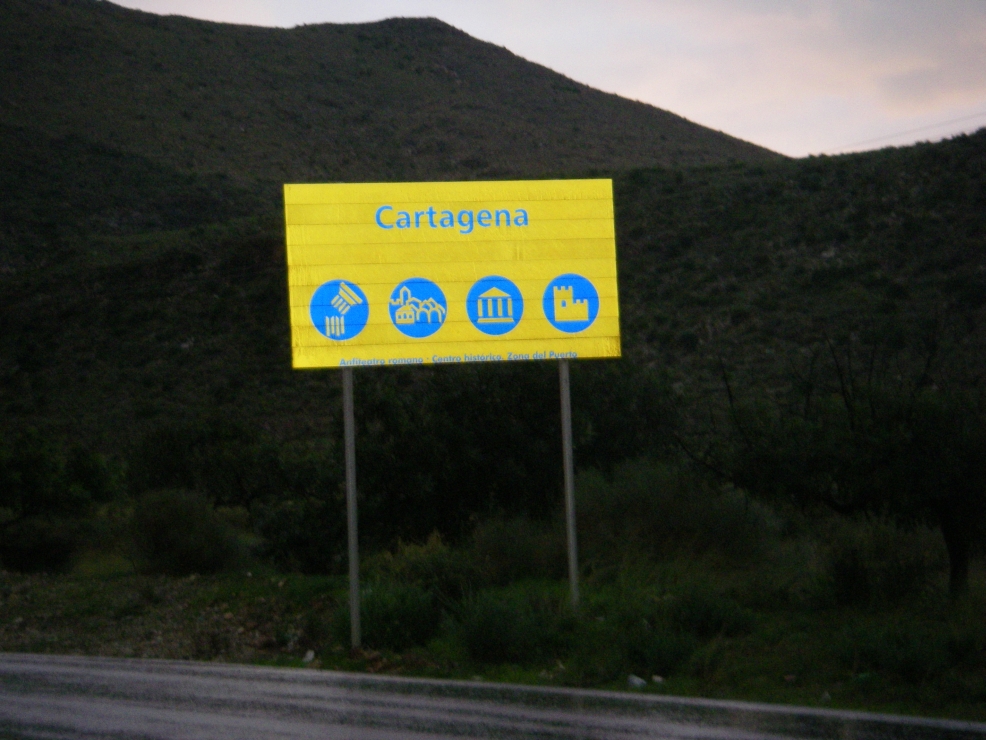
72 697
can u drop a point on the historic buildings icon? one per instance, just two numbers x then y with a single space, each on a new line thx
415 311
568 308
418 307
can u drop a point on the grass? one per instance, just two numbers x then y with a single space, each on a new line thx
242 618
767 626
923 657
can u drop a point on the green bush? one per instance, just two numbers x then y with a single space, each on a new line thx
392 617
915 653
40 479
433 566
875 562
655 649
706 614
235 465
50 495
628 631
40 545
509 550
178 533
599 655
635 627
303 535
497 631
514 626
659 510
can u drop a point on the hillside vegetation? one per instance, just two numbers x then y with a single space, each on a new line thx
748 269
753 263
739 285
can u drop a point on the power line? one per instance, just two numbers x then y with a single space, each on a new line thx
836 150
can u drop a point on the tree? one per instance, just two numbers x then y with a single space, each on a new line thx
908 451
34 482
43 491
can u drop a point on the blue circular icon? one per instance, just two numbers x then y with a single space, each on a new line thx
339 309
418 308
571 303
494 305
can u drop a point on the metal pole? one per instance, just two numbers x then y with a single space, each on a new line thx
349 430
568 458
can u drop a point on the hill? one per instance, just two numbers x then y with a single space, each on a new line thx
755 272
142 294
760 265
402 99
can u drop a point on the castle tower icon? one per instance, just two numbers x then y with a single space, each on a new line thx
568 308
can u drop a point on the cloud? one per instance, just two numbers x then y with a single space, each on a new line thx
799 76
246 12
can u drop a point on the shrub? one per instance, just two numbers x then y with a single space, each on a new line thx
432 566
628 631
848 575
913 652
496 631
633 628
659 510
48 495
36 482
867 562
392 617
303 535
706 614
656 649
599 655
39 545
515 626
234 465
508 550
178 533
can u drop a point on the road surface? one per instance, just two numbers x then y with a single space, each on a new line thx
56 697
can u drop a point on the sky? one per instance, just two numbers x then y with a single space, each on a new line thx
797 76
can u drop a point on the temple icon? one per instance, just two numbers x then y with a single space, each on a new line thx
568 308
494 307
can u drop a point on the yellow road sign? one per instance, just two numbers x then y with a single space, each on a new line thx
420 273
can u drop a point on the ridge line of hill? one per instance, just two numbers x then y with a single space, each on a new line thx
397 99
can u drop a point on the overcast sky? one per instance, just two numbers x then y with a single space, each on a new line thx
797 76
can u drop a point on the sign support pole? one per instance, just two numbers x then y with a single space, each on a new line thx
569 464
349 431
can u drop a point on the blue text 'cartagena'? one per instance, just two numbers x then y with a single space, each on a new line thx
466 221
